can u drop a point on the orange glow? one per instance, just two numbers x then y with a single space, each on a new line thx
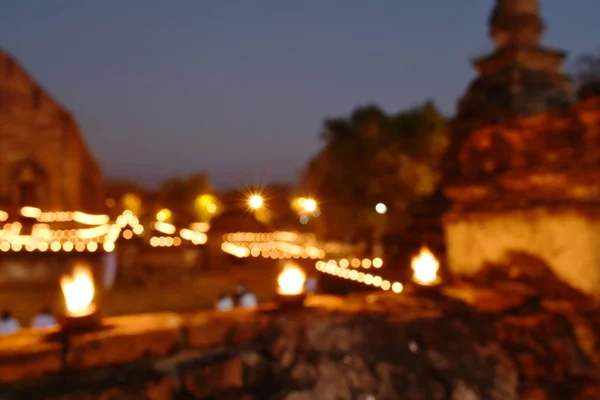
425 267
291 280
163 215
78 290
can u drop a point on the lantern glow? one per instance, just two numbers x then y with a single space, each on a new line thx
291 280
78 290
425 267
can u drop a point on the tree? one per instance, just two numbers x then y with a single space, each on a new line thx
372 157
190 198
122 195
587 74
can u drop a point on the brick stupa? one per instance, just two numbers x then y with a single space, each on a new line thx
524 170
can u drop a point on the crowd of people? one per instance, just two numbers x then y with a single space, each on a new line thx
10 325
241 298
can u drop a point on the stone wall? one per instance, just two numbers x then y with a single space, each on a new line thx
465 343
567 239
530 185
42 143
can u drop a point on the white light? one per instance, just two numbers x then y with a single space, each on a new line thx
381 208
255 201
164 227
291 280
31 212
309 205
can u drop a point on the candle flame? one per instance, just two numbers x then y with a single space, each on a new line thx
78 290
291 280
425 267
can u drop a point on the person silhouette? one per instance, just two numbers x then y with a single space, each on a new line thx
43 320
225 303
8 324
248 300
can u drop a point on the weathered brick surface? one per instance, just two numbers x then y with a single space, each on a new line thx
213 329
125 339
30 354
36 131
152 390
214 379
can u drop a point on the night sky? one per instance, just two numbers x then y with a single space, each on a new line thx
239 87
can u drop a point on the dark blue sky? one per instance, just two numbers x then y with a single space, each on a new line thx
240 87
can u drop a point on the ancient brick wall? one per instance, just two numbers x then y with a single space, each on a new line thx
502 343
40 139
530 185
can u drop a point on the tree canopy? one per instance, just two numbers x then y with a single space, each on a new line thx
373 157
586 70
190 198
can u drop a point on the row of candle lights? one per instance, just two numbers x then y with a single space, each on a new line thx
274 250
360 277
281 236
424 265
306 240
102 236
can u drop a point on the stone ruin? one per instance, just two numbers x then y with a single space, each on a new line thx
526 160
466 343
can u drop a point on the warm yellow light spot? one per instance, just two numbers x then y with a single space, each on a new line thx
163 215
425 267
397 287
291 280
377 262
78 290
255 201
92 246
127 234
89 219
163 227
31 212
211 208
108 246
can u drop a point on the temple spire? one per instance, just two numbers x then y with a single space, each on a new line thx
516 22
520 77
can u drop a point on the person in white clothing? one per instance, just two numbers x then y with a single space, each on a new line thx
43 320
248 300
225 303
8 324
